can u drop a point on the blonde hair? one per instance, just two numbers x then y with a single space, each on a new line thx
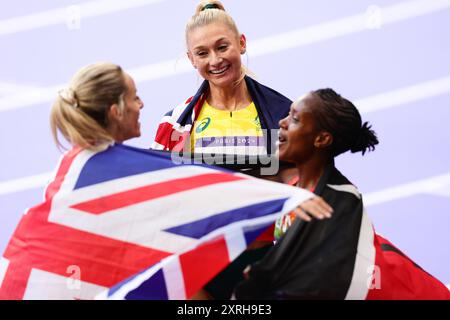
80 111
214 14
203 17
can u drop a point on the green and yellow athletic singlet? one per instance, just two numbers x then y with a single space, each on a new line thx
225 132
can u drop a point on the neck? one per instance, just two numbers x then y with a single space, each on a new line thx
231 98
310 172
115 133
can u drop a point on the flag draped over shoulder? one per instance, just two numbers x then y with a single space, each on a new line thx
124 211
338 258
175 127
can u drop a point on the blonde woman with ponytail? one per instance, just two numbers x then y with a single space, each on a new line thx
98 108
231 113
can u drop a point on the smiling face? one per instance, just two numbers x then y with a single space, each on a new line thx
299 135
215 51
128 123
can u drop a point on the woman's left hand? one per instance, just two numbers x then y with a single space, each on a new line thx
315 207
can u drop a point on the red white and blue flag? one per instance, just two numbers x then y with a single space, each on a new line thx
123 211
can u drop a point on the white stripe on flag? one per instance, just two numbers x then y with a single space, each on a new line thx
235 244
126 183
135 282
157 146
346 188
131 285
164 212
4 263
235 227
43 285
364 262
173 120
173 276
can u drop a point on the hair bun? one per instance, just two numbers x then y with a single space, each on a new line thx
211 4
366 139
69 96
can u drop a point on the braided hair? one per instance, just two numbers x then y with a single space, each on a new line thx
342 119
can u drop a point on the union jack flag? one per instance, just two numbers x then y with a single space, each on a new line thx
124 211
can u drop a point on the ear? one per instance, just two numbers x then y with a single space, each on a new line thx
323 140
243 43
191 59
114 113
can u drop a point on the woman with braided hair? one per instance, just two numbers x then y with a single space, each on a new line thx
320 126
341 257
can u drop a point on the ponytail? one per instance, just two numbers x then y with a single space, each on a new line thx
366 140
342 119
80 112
